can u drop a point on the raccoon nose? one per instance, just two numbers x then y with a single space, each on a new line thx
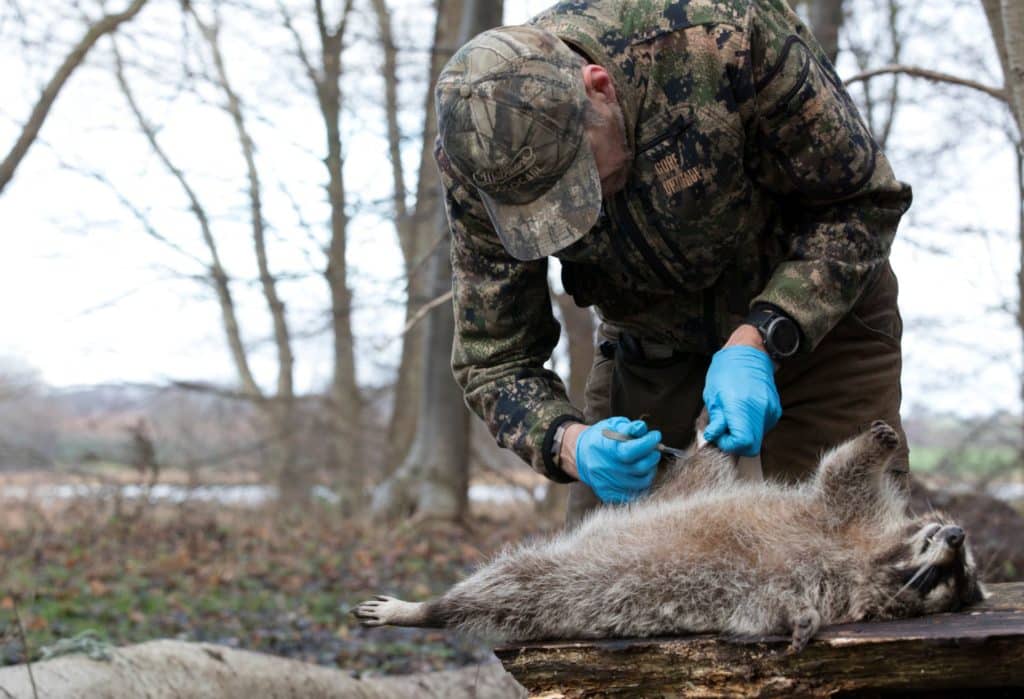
954 537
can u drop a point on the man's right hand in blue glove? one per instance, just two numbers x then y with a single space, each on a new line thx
617 472
740 394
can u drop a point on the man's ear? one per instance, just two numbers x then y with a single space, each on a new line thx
598 82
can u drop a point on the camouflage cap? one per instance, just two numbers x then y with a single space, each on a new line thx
510 107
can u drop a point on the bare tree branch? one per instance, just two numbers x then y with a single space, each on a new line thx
300 47
106 25
1005 20
896 45
932 75
425 309
218 277
390 78
286 359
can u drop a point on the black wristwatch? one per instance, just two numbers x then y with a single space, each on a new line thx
780 334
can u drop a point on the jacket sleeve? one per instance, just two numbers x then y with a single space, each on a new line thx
807 145
504 333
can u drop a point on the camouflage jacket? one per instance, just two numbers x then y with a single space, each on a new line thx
753 180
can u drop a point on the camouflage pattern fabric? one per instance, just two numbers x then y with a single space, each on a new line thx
753 180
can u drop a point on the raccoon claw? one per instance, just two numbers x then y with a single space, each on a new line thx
804 627
885 435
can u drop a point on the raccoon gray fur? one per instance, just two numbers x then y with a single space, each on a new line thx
708 553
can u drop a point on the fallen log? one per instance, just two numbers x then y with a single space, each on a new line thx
176 670
978 652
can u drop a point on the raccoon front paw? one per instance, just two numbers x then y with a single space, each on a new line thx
884 435
805 625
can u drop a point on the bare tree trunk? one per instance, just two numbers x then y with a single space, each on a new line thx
422 234
1013 30
293 483
218 277
390 77
1006 21
892 102
433 480
826 20
345 400
403 415
107 25
1020 284
345 397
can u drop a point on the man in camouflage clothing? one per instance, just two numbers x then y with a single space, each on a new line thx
708 186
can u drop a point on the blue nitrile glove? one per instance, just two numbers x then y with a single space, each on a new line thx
617 471
741 398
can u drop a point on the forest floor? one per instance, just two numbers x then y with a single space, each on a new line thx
254 578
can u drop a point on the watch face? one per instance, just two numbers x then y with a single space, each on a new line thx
782 337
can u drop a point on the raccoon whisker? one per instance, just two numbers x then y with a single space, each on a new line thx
918 574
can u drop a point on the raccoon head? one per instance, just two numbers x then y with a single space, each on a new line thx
931 570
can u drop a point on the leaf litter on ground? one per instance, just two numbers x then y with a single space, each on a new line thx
264 580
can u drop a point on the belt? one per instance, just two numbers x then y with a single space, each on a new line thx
638 348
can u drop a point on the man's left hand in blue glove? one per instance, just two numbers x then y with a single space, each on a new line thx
740 394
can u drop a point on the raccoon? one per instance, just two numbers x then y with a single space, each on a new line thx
706 552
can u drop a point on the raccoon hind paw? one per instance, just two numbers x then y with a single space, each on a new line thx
388 611
884 434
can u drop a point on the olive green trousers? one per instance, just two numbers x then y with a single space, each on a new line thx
829 395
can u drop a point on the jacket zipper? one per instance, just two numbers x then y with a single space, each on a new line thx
617 243
621 214
678 124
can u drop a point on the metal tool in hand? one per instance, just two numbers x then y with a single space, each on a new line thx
668 451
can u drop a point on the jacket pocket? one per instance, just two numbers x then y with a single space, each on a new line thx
877 313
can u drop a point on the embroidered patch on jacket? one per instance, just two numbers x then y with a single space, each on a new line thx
673 178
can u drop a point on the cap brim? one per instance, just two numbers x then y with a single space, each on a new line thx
556 219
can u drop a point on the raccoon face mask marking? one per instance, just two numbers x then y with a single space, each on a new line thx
937 572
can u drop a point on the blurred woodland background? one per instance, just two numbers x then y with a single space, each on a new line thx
239 198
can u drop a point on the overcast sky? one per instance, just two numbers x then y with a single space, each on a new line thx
87 297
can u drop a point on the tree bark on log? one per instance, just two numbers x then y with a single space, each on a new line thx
176 669
945 654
